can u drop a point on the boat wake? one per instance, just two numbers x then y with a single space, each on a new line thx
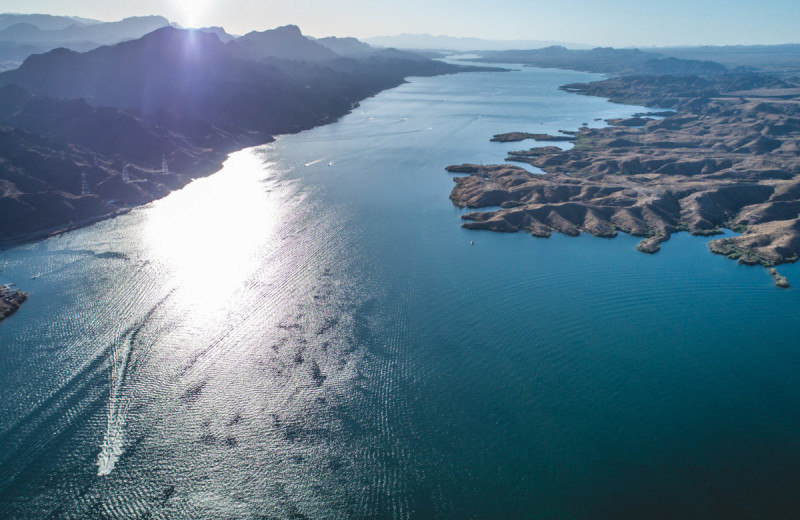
118 407
126 354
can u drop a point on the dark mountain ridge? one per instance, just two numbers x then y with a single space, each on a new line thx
347 47
285 42
179 94
193 74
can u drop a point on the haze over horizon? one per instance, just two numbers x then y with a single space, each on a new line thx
618 23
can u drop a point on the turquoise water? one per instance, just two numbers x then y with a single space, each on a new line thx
309 334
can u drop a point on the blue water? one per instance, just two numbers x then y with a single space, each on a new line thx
309 334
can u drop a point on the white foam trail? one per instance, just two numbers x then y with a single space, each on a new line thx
111 449
118 406
123 364
313 162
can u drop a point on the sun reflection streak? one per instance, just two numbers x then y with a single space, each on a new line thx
207 237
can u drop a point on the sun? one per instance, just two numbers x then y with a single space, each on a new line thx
192 11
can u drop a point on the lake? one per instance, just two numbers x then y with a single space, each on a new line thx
309 333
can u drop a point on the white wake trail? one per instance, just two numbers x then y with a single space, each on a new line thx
112 447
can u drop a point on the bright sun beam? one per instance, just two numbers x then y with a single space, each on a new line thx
192 11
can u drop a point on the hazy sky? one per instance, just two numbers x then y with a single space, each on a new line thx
597 22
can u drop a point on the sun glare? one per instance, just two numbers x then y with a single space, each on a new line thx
209 234
192 11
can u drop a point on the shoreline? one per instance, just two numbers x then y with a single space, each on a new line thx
187 161
10 301
149 184
35 236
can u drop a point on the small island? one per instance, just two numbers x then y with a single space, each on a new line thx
512 137
726 156
10 301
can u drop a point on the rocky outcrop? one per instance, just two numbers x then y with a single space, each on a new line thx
780 281
521 136
726 161
10 301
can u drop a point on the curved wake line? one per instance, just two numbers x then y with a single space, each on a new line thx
122 364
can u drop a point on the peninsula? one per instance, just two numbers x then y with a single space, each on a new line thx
727 156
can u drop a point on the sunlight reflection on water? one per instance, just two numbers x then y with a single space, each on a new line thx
201 238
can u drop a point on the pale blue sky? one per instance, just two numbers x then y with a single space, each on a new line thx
597 22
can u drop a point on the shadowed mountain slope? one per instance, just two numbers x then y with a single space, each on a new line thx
182 95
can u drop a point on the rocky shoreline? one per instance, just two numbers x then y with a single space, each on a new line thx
512 137
10 301
729 158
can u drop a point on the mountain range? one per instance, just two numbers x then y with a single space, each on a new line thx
185 96
24 35
461 44
46 22
605 60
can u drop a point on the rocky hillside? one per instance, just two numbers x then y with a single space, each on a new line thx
180 95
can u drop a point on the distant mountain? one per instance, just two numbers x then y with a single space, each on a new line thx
347 47
12 54
285 42
45 22
396 54
223 36
113 32
783 60
102 33
604 60
22 37
353 48
452 43
677 66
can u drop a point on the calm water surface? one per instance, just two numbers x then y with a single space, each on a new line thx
309 334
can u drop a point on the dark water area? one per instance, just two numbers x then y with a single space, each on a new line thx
310 334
